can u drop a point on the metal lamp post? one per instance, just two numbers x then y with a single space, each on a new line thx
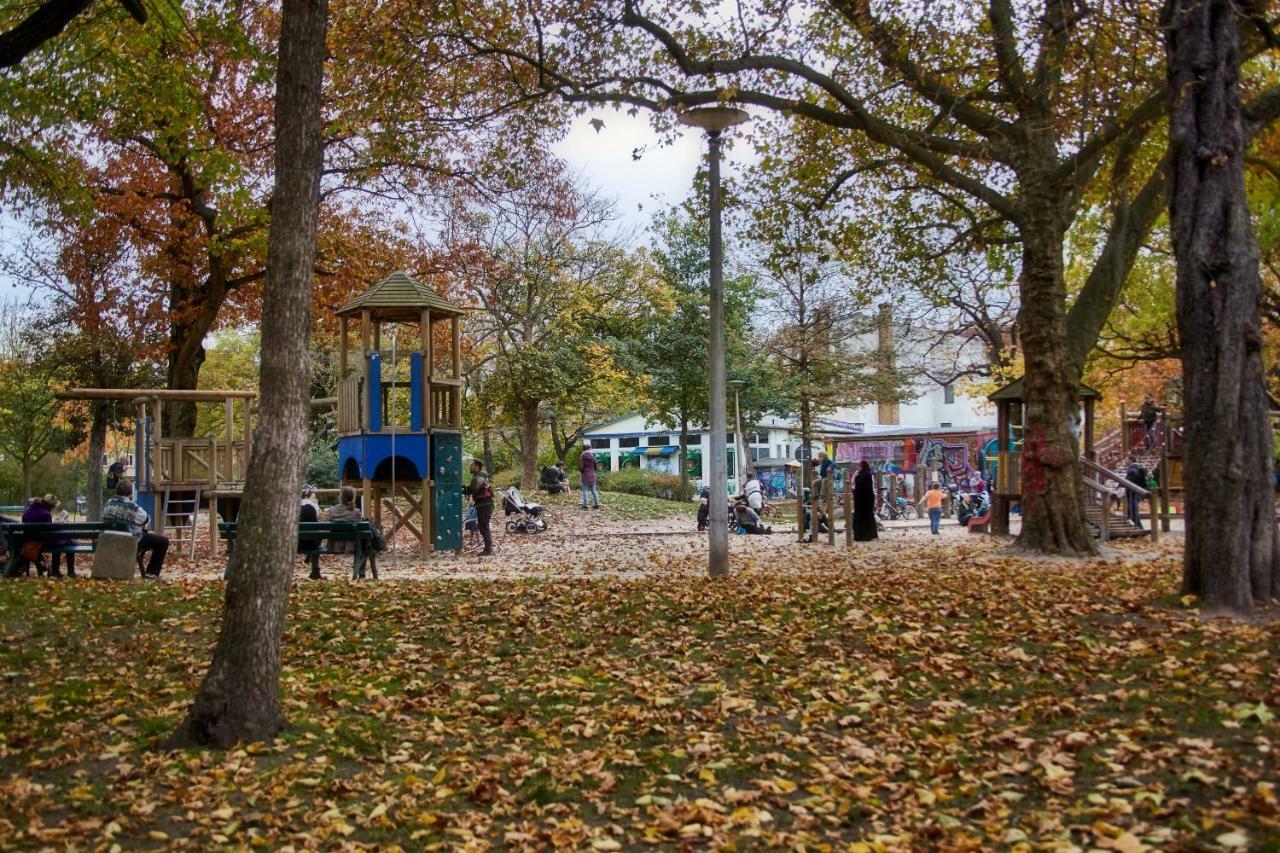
715 120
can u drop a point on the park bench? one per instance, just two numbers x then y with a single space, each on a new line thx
82 536
980 523
323 532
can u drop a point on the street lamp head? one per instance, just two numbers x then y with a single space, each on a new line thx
737 383
713 119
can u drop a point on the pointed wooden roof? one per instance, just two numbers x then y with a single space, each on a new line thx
1016 390
400 296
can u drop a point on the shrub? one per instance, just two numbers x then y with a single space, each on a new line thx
634 481
505 479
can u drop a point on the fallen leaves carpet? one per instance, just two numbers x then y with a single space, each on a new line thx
909 697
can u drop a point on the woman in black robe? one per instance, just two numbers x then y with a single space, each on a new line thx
864 504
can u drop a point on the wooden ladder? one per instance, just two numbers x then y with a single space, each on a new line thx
179 515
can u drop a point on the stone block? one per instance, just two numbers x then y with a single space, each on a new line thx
116 556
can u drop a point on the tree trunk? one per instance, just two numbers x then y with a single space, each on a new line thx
528 445
684 459
559 444
26 478
186 355
239 699
1230 548
488 452
1053 519
99 421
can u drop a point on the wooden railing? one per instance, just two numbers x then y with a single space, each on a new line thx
1088 466
445 403
1009 472
349 411
201 460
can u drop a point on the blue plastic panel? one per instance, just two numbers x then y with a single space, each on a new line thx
415 391
371 451
375 392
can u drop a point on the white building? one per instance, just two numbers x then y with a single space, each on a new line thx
936 411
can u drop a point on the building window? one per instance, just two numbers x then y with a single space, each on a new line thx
728 437
659 441
887 414
599 444
945 424
758 453
948 393
757 438
629 441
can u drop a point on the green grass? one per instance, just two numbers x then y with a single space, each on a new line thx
621 505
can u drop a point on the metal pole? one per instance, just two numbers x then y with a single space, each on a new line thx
718 538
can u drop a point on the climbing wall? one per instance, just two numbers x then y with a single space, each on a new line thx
446 471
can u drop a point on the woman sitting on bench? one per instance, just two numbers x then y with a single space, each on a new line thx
40 511
310 511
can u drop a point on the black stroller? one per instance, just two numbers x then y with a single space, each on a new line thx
528 517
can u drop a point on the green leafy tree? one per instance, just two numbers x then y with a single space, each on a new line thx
551 281
674 355
1014 113
29 427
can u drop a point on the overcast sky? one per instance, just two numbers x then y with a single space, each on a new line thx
661 177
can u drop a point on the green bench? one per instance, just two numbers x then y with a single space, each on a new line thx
323 532
82 536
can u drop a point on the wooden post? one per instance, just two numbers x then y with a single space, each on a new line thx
157 432
428 366
800 508
365 336
830 490
377 337
1088 430
813 504
366 497
848 508
248 436
342 347
142 448
1124 433
457 346
378 494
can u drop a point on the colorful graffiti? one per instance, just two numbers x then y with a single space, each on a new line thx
951 459
955 459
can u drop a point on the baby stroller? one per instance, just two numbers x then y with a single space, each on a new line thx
528 517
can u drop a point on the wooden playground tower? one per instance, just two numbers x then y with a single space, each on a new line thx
175 477
400 440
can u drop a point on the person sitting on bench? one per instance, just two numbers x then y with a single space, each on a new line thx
121 513
310 511
40 511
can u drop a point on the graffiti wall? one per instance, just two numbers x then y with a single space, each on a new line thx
955 456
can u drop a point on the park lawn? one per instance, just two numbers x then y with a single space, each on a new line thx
620 505
942 697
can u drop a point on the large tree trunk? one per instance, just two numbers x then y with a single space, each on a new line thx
186 356
239 699
1053 519
100 418
1230 548
488 452
26 478
528 445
